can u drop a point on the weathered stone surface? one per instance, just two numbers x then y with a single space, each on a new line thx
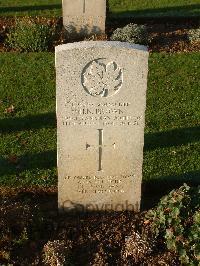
101 99
84 17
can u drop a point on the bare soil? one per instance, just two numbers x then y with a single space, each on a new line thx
170 37
29 219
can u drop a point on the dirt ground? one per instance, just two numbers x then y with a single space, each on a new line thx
29 220
165 36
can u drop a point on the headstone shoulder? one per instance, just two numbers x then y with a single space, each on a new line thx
101 44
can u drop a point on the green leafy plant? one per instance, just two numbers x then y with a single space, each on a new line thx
194 35
177 219
131 33
23 238
29 35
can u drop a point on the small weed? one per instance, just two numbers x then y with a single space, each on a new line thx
22 239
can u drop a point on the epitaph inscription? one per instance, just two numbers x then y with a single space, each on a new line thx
101 99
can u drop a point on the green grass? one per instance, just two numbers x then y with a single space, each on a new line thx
28 136
136 8
156 8
33 8
172 130
27 82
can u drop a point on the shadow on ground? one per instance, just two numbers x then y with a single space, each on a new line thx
153 190
12 124
15 166
176 11
175 137
29 8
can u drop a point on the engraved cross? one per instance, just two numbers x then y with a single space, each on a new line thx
84 6
100 147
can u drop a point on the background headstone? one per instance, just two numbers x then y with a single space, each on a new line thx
82 18
101 99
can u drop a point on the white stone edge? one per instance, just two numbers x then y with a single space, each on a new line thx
99 44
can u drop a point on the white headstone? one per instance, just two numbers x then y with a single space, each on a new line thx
84 17
101 100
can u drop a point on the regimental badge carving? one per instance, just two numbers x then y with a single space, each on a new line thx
101 79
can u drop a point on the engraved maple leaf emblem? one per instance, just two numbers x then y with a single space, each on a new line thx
101 79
